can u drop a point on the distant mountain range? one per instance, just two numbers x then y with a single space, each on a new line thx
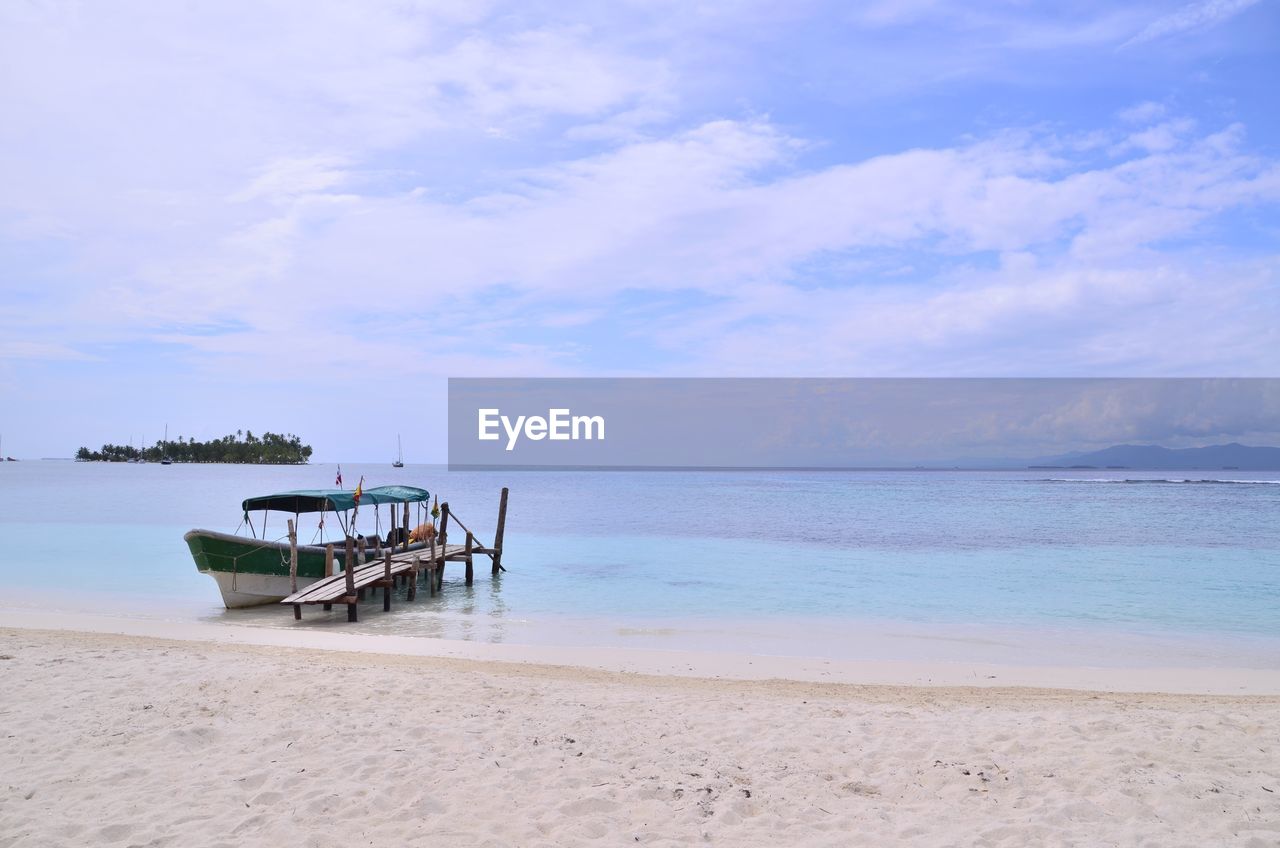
1211 457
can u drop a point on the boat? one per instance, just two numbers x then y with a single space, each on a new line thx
164 448
399 463
253 570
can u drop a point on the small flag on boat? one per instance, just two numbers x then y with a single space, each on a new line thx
338 482
359 490
435 507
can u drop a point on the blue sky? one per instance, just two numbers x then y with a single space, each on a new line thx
305 216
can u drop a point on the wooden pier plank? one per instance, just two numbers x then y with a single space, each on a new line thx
331 589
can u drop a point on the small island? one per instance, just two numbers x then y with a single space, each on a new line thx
243 448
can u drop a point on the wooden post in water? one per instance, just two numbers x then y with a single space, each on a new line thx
293 568
349 567
413 578
444 543
386 582
471 575
405 525
328 568
431 571
497 534
391 534
361 560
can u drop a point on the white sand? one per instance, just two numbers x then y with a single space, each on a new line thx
122 740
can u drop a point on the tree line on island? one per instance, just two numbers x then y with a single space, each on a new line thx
243 447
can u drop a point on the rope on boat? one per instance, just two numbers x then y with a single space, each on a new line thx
235 560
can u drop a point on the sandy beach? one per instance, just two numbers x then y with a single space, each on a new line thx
133 741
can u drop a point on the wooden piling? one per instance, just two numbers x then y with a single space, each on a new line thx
470 571
413 578
497 534
405 525
293 568
328 569
348 566
387 582
444 539
431 571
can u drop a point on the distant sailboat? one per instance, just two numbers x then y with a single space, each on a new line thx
399 463
164 448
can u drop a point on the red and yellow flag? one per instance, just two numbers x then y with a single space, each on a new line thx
359 490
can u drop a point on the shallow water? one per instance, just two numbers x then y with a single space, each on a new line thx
1032 566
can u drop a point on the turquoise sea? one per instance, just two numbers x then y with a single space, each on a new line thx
1081 567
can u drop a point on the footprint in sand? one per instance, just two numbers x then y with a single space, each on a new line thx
114 832
588 807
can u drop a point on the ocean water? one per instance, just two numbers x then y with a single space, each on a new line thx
1034 566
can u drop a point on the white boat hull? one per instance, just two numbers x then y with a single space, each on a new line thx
252 590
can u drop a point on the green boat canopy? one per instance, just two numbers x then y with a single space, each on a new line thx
338 500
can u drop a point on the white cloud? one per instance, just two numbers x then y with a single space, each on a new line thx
1143 113
22 349
722 211
1194 16
287 179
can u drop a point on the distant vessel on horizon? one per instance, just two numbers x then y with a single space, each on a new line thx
164 448
399 463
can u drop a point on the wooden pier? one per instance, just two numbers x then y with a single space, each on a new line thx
406 567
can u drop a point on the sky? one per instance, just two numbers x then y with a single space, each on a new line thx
305 217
